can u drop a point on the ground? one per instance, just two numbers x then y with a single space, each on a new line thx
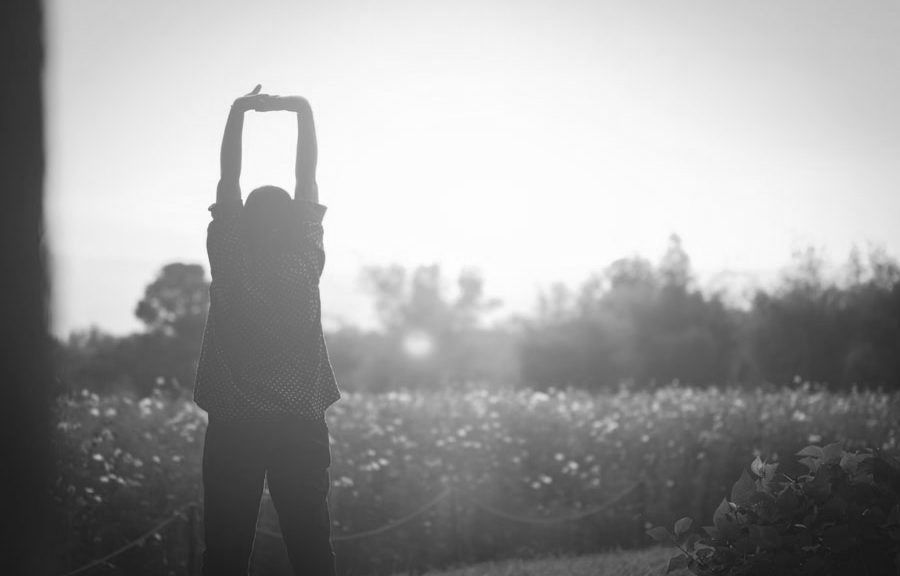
646 562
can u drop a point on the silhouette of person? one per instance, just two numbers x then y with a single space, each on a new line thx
264 375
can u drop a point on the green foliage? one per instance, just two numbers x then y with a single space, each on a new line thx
163 356
840 517
633 321
176 302
841 332
650 323
127 463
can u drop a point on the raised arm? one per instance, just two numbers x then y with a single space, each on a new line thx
229 188
307 150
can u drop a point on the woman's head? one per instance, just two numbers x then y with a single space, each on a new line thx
268 216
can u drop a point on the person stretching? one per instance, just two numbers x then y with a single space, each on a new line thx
264 376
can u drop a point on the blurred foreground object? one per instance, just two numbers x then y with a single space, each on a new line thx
27 469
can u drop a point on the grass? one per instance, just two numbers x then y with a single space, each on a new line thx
645 562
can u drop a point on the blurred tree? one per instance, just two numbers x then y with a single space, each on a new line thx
176 302
164 355
633 321
173 309
89 359
417 301
675 266
837 333
426 338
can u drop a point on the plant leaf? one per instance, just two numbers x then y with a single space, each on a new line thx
811 463
893 518
832 452
850 462
660 534
683 525
787 501
743 489
813 451
762 500
677 563
757 466
769 471
690 542
721 511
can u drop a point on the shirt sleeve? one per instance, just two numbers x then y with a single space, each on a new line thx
310 211
223 237
310 236
225 210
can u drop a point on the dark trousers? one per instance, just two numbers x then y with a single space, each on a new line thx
236 458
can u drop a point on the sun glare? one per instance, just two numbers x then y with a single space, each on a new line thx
418 344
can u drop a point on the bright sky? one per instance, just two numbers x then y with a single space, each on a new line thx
535 141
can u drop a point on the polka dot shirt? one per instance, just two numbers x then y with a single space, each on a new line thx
263 354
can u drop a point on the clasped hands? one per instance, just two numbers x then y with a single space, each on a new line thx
270 102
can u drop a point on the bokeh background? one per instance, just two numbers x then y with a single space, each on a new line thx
577 253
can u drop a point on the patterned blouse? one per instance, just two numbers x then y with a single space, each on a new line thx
263 354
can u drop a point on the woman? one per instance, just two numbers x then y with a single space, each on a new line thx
264 375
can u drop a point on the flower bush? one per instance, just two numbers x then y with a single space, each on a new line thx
126 463
841 517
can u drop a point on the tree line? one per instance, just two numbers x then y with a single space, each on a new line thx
637 321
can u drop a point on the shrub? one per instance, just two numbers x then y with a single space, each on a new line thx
842 517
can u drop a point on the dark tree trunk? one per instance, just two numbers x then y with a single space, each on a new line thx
27 467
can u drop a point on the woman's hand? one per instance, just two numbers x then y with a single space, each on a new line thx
253 100
269 102
246 101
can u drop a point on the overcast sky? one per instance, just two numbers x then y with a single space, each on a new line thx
535 141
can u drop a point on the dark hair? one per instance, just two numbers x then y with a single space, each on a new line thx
267 200
268 221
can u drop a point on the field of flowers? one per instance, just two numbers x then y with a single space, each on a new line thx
127 463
